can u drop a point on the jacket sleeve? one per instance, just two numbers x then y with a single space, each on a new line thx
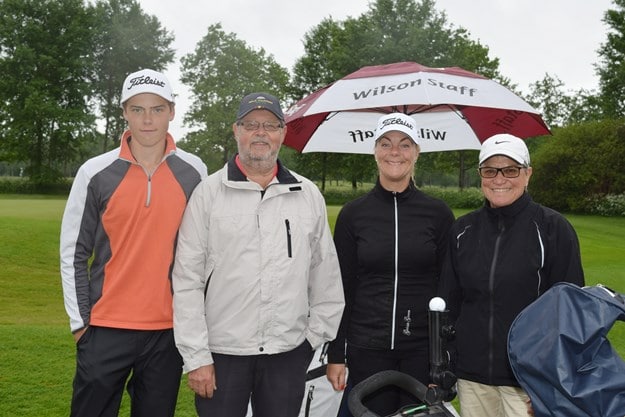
76 246
563 261
189 281
448 285
346 248
445 220
324 286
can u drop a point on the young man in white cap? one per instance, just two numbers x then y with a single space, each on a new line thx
256 280
391 244
117 247
501 258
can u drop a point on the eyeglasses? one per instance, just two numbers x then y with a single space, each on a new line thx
253 125
507 172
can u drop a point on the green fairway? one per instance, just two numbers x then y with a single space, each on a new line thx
37 349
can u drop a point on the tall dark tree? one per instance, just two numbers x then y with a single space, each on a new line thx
611 68
46 57
390 31
220 71
127 39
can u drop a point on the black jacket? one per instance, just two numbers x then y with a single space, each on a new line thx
499 261
391 247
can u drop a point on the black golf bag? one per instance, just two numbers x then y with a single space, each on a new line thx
560 354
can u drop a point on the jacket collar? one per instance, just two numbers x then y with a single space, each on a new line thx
389 195
125 153
284 176
510 210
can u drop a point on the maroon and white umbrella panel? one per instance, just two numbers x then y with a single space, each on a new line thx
454 109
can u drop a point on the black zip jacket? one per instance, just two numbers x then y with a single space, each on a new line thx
499 261
390 247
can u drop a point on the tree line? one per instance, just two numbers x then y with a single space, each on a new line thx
63 62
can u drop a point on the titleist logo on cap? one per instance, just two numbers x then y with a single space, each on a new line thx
397 121
144 80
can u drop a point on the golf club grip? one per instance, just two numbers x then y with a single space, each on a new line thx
436 345
380 380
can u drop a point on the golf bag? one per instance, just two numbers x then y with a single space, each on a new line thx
320 399
561 356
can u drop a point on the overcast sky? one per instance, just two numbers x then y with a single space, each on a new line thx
530 37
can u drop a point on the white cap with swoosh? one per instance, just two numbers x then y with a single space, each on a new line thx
506 145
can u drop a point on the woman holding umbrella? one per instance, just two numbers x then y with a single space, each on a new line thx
390 244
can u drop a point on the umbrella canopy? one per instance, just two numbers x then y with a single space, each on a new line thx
454 109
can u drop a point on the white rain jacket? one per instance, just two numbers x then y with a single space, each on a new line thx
256 272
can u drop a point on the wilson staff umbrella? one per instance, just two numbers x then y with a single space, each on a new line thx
453 108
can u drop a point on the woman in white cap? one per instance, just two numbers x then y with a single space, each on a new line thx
501 258
391 245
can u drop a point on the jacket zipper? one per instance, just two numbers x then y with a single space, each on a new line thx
288 238
396 276
149 196
491 299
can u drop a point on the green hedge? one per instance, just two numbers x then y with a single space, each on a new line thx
611 205
338 197
21 185
607 205
468 198
463 199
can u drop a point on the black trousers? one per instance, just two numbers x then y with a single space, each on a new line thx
362 363
105 359
275 384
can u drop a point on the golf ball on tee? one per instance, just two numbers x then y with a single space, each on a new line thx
437 304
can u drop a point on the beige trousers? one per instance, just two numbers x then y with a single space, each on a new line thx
479 400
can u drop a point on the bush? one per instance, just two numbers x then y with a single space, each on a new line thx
469 198
608 205
22 185
579 161
338 197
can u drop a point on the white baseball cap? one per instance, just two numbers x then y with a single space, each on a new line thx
397 121
506 145
146 81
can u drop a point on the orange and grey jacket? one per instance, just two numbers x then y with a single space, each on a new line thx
118 236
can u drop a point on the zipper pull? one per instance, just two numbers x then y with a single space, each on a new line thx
289 249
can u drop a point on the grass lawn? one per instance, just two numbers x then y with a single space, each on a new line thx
37 350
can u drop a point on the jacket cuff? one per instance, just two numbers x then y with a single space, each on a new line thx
336 351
